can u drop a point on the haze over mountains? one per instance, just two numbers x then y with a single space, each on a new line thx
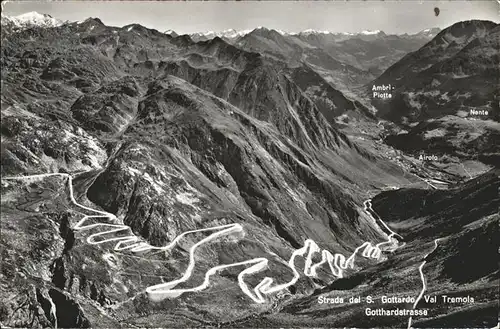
233 34
174 133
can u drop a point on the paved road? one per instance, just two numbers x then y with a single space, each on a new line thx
422 277
336 262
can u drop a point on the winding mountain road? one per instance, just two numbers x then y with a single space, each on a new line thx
336 262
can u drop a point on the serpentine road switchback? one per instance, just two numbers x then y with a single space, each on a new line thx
336 262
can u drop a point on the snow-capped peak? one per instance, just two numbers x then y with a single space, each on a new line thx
32 19
230 33
369 32
171 32
312 31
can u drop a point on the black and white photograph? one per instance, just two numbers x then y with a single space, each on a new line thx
250 164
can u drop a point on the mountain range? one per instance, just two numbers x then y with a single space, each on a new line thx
345 59
232 33
165 134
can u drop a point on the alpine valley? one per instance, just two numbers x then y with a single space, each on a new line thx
248 179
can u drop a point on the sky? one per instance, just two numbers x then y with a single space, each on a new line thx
403 16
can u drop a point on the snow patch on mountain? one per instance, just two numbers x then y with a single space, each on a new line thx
369 32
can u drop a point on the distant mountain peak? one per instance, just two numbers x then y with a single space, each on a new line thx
267 31
171 33
91 20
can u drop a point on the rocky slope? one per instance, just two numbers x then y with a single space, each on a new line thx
169 135
465 221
